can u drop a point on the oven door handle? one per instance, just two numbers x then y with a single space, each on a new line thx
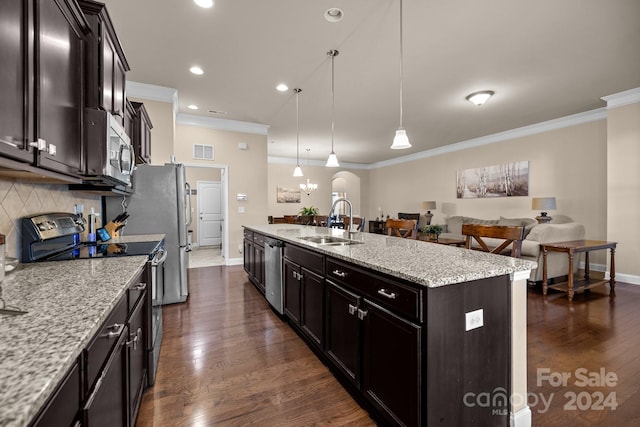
160 257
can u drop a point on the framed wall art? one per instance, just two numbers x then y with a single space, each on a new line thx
505 180
288 195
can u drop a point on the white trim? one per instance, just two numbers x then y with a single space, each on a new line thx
626 278
631 96
291 161
520 275
235 261
152 92
560 123
222 124
522 418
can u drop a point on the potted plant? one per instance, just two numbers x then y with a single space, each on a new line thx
307 215
432 231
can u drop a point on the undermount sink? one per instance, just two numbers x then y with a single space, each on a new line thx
329 240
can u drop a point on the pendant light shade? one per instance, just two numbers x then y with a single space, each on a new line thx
298 170
332 161
401 140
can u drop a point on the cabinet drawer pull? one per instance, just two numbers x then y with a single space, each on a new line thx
115 330
12 144
134 339
384 293
352 309
40 144
362 314
340 273
51 149
140 287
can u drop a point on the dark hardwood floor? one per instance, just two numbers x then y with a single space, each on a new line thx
227 359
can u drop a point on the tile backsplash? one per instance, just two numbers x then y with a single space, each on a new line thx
22 198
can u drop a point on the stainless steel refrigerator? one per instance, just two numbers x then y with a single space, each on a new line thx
161 203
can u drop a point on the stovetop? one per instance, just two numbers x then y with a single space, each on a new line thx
104 250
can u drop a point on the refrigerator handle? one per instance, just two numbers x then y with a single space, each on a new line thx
188 196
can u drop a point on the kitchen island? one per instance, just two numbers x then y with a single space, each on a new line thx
66 303
448 324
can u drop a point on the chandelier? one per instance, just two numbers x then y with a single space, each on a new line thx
308 187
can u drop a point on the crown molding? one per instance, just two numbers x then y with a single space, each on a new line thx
631 96
562 122
222 124
152 92
273 160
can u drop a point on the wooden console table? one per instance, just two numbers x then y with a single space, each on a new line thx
575 247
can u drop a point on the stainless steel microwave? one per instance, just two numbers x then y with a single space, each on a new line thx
109 154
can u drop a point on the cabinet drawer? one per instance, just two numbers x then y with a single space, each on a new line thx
386 291
248 234
310 260
258 239
99 348
136 290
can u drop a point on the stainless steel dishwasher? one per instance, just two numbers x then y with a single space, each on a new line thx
273 251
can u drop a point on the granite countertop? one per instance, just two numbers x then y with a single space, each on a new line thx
424 263
66 303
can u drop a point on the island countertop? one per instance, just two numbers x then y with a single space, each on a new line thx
424 263
66 303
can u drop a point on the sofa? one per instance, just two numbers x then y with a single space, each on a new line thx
561 228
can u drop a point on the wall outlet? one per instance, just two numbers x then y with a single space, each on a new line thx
474 319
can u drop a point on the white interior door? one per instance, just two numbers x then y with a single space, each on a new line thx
210 215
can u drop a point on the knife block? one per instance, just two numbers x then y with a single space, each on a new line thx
111 228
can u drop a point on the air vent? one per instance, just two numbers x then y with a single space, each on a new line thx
203 152
218 112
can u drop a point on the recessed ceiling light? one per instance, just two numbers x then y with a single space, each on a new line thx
196 70
282 87
204 3
479 98
192 107
334 15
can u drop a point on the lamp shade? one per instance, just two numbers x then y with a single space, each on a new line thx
332 161
298 171
401 140
427 206
543 203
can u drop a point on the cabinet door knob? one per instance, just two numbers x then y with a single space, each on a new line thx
362 314
384 293
40 144
51 149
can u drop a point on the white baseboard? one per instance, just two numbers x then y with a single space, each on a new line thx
522 418
626 278
235 261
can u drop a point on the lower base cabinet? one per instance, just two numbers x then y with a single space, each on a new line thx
63 407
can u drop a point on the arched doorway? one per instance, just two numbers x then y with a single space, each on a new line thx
346 184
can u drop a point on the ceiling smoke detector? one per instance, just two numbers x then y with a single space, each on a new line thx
334 15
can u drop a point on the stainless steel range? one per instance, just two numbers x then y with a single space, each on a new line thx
55 237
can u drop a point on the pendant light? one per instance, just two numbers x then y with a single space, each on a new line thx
297 171
332 161
401 140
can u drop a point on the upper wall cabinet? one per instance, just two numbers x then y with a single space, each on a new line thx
41 74
106 64
141 136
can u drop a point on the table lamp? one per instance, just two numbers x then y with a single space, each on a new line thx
543 204
427 206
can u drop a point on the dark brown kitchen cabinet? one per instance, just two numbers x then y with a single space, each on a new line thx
63 406
106 63
253 254
41 81
304 292
137 353
376 348
141 133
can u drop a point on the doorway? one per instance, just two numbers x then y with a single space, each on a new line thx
210 215
209 255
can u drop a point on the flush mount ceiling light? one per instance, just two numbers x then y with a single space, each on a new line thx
192 107
282 87
196 70
332 161
297 171
401 140
204 3
334 15
479 98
